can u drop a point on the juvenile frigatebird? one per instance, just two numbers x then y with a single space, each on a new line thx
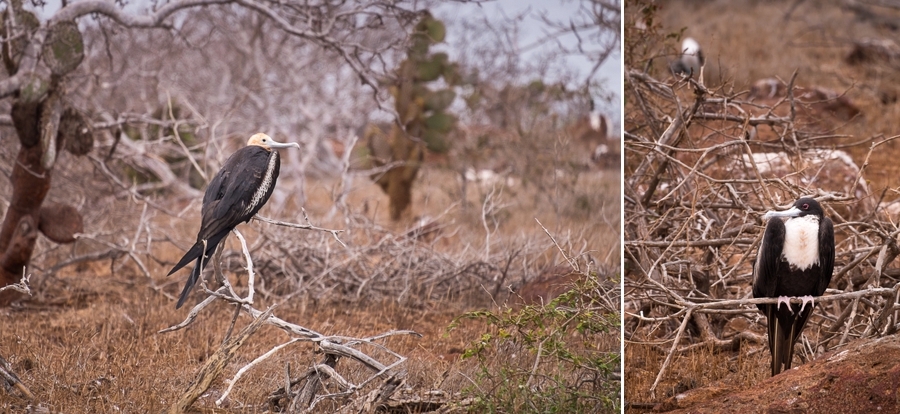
234 195
796 259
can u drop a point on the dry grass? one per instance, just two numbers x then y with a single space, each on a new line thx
700 367
101 352
88 342
746 42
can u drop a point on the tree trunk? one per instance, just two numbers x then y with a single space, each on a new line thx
17 236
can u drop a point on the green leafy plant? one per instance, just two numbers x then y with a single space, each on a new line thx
552 358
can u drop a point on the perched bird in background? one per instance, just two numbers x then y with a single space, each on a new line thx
691 59
234 195
796 259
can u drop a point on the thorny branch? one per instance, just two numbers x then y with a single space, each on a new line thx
695 195
307 226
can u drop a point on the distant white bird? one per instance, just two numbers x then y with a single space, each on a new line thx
489 178
691 59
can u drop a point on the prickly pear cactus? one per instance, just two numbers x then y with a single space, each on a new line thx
51 111
44 126
75 132
423 114
16 25
422 109
64 48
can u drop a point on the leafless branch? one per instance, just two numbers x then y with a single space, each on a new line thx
696 194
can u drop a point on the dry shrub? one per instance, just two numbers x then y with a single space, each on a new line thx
705 160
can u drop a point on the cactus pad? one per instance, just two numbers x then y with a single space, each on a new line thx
64 48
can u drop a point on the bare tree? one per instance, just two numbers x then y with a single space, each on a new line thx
46 87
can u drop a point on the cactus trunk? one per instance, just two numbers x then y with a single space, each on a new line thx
420 113
19 232
37 114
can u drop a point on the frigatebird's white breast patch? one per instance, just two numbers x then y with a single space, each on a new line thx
801 242
264 186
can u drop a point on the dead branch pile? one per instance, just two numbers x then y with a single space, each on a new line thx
376 264
702 166
333 347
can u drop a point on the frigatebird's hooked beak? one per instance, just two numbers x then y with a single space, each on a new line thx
791 212
275 144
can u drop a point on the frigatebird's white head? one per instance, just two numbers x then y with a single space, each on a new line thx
268 143
803 207
690 47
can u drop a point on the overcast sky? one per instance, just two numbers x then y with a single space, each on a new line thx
533 28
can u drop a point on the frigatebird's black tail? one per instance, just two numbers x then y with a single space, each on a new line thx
189 285
784 329
193 254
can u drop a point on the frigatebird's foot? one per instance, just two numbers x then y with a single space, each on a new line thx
786 300
807 299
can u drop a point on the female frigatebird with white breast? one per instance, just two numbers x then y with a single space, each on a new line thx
234 195
796 259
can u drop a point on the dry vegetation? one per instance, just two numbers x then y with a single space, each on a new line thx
88 337
704 161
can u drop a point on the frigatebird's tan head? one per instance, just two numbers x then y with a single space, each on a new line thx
268 143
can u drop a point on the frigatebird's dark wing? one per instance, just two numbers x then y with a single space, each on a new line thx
216 188
768 261
214 193
826 254
765 283
229 193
